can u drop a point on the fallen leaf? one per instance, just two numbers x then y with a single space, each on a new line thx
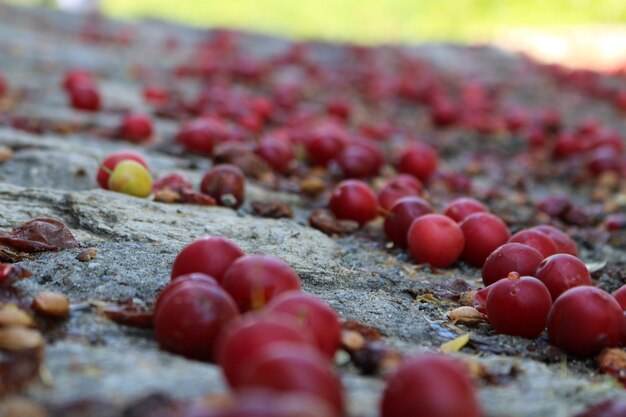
325 220
272 209
39 235
456 344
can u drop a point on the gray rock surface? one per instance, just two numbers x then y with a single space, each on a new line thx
89 356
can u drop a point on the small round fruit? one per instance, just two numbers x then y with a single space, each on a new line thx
76 76
226 184
561 272
208 255
510 257
419 160
519 307
132 178
401 217
430 386
189 319
253 280
483 233
136 127
463 207
354 200
108 165
358 161
435 239
564 243
312 313
620 296
289 367
85 96
187 280
584 320
402 186
240 340
536 239
277 153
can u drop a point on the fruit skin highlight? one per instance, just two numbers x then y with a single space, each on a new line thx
132 178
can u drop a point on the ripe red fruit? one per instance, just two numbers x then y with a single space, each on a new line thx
430 386
111 161
4 85
312 313
435 239
85 96
584 320
564 243
419 160
289 367
463 207
620 296
401 217
187 280
155 95
226 184
401 186
253 280
324 143
561 272
535 239
75 77
136 127
240 340
483 233
277 153
519 307
201 135
189 319
510 257
359 161
208 255
354 200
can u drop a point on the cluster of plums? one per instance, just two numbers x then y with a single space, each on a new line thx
275 344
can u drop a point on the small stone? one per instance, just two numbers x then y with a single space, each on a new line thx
11 315
87 255
51 304
20 338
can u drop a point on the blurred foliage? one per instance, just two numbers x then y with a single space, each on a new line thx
376 20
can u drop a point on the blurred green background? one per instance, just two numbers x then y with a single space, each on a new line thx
377 20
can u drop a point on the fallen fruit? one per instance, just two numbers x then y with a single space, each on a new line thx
430 386
132 178
584 320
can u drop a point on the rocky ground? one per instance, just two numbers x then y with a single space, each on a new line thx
89 357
